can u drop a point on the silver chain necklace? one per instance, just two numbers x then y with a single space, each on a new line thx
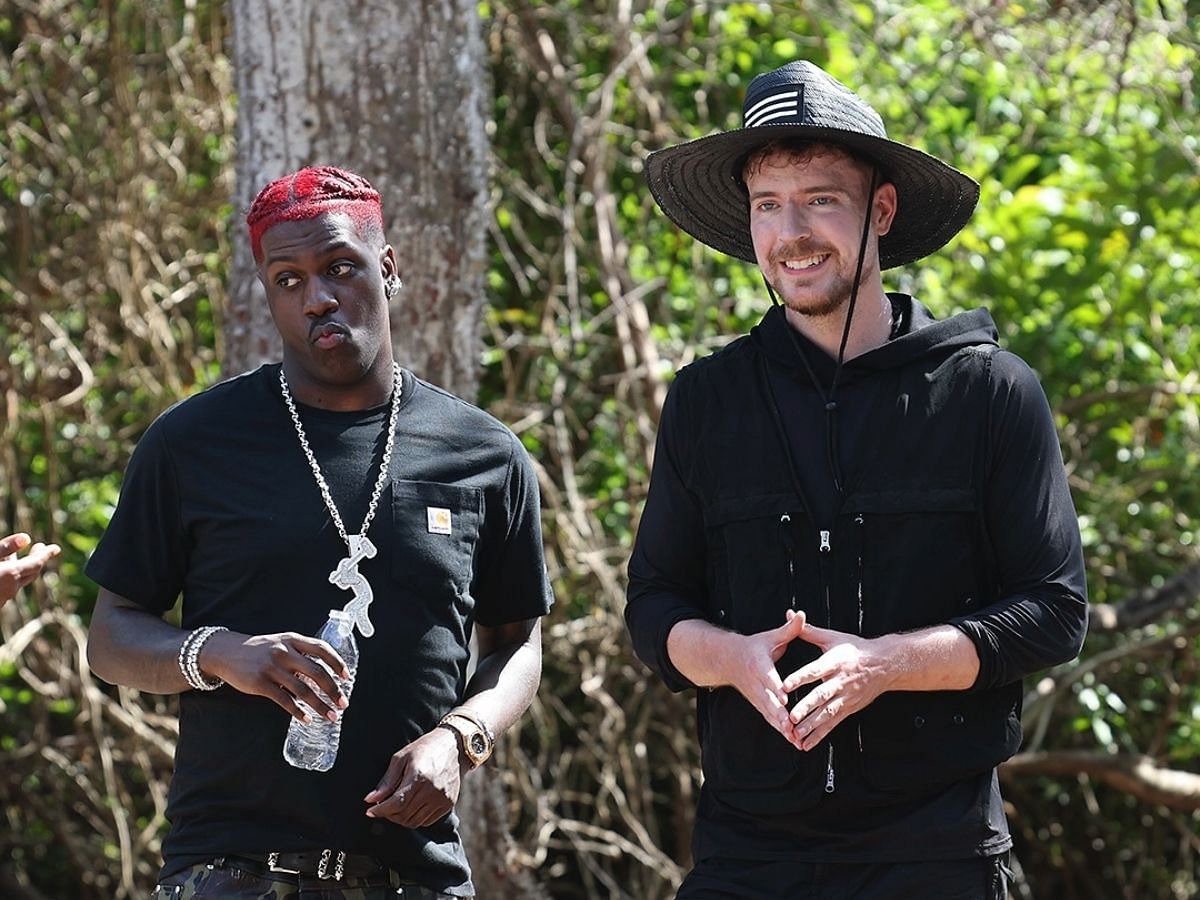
359 547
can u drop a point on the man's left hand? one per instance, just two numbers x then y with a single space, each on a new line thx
853 671
421 783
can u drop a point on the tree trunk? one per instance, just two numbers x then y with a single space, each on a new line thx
399 94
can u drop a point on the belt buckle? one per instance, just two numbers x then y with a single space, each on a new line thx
273 865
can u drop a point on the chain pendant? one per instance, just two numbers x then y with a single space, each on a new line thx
348 578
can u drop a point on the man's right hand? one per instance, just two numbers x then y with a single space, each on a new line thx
275 666
713 657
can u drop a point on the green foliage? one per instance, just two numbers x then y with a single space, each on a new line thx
114 186
1088 260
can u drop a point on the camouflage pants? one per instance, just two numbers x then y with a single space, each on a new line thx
227 882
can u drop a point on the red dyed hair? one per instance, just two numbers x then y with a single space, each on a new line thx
308 193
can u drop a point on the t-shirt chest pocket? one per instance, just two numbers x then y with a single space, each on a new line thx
435 530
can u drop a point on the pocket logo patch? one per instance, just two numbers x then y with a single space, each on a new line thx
437 520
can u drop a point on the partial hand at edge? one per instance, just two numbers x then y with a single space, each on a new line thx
16 572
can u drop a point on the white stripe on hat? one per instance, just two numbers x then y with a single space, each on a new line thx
768 119
775 106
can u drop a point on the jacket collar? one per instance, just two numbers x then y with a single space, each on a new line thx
920 334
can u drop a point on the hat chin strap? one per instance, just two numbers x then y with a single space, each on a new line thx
828 399
862 252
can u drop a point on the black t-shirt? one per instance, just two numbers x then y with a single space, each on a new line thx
219 505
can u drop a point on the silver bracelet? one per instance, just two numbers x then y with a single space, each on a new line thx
189 658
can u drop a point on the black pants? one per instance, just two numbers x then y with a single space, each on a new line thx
985 878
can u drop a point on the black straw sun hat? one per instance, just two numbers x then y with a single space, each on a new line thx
699 185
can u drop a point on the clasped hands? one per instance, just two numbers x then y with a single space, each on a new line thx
853 671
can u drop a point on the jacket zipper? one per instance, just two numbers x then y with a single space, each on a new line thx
825 548
789 545
858 523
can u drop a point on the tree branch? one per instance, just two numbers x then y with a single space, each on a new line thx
1138 776
1148 604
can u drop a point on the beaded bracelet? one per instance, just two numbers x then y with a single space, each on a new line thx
189 658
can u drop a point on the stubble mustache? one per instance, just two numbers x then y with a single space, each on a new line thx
797 250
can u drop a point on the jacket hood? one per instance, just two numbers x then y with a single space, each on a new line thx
921 335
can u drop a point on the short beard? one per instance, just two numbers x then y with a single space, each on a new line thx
823 306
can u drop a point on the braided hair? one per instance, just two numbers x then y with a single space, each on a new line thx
311 192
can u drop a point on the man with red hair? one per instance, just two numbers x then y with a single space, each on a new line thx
243 499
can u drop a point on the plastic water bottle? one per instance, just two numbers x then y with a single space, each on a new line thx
315 745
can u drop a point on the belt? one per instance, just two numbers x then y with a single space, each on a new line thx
324 864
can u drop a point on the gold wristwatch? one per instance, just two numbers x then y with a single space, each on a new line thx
475 738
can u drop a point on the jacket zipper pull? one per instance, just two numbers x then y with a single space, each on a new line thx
829 771
825 549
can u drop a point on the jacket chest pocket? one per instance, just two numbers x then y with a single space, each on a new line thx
435 531
760 569
918 558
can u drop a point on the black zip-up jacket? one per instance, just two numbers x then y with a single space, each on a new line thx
953 508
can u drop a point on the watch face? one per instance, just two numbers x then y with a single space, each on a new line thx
478 744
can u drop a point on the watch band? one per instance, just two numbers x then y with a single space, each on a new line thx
473 717
475 738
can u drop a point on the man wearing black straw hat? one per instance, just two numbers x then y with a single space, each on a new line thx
858 537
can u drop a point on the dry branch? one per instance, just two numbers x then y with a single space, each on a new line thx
1149 604
1138 776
